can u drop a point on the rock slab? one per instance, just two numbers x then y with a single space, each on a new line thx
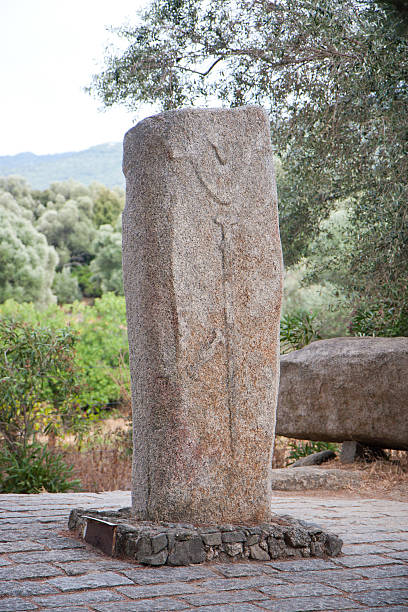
203 282
307 478
346 389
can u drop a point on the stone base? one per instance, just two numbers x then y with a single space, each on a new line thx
118 534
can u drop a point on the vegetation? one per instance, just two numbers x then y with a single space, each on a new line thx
297 330
33 469
39 381
37 395
333 75
102 356
60 243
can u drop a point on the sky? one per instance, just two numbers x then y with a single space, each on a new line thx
49 51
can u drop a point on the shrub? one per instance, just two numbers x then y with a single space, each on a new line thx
297 330
102 349
39 381
84 275
27 261
102 354
379 320
33 468
107 266
66 287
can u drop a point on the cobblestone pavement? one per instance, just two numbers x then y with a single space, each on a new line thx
42 568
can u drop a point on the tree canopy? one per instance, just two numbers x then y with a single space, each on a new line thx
49 239
27 261
333 75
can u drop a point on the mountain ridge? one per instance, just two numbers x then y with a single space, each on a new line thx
101 163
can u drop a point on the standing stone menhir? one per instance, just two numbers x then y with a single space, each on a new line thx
203 281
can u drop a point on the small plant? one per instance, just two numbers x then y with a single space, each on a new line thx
32 468
297 330
303 449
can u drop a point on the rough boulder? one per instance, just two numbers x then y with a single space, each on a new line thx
346 389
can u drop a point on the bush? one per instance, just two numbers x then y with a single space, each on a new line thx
102 349
297 330
107 266
102 353
66 287
379 320
87 286
39 381
27 261
33 468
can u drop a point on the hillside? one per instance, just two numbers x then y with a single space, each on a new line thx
102 163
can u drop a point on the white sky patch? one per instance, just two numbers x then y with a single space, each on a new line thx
50 49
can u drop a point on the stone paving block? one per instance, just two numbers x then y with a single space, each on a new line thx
364 560
46 556
4 561
224 597
76 568
402 545
155 590
18 546
29 533
69 600
245 607
364 549
169 574
402 608
302 565
301 604
387 571
330 577
234 584
244 569
60 543
360 538
13 604
144 605
7 536
94 580
394 608
378 598
401 555
21 571
65 609
17 588
372 584
307 589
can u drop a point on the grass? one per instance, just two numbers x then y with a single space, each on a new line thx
102 459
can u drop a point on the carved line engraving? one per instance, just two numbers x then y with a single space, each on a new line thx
225 223
209 191
206 353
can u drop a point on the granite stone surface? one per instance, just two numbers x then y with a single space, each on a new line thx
202 269
346 389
